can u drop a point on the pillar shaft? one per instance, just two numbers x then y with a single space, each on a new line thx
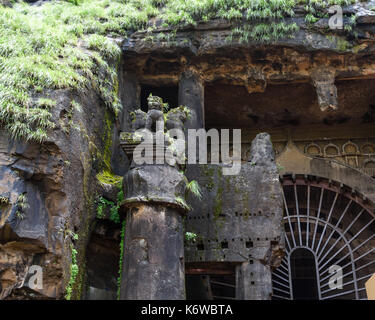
191 94
253 281
131 97
153 266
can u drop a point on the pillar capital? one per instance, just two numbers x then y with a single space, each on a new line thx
155 184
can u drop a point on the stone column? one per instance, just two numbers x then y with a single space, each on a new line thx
191 94
154 266
253 281
131 98
130 94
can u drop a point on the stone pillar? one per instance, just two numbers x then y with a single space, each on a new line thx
253 281
131 99
154 266
191 94
153 261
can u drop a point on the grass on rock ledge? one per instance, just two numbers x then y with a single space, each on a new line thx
66 44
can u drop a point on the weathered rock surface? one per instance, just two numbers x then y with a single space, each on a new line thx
57 184
239 217
255 65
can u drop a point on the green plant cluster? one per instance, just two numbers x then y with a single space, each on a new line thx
191 237
73 273
113 207
316 9
43 48
108 177
22 204
194 188
122 235
70 44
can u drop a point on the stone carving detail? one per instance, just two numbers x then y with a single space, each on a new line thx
368 149
138 118
313 149
155 115
176 119
358 154
331 150
155 120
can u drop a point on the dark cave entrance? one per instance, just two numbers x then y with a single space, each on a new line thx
210 287
168 94
210 281
303 273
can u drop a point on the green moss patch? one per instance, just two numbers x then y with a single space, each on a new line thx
109 178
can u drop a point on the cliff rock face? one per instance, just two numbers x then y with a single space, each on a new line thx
48 194
49 191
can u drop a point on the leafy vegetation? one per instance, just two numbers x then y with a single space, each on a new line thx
73 273
194 188
113 207
190 237
39 50
70 44
109 178
121 259
22 204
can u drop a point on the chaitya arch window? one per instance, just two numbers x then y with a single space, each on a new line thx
326 226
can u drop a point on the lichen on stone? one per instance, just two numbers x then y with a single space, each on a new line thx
108 177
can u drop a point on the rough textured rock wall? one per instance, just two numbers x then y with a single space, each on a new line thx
48 191
58 181
239 218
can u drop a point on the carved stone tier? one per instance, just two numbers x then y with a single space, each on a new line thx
130 140
157 184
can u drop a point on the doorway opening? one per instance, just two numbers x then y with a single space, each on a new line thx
303 273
